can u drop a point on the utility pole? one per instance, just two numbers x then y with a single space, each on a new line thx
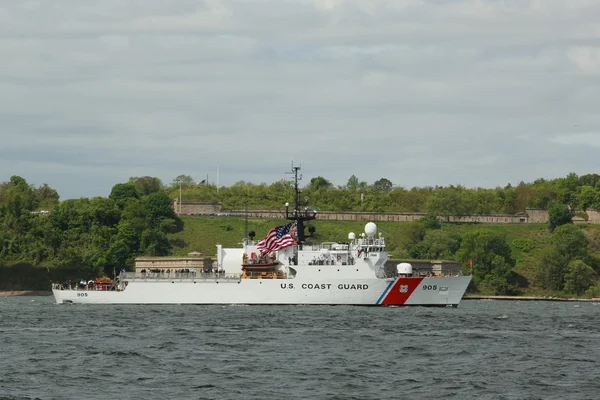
179 196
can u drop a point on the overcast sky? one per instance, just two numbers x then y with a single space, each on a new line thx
422 92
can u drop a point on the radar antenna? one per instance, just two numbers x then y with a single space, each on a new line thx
296 214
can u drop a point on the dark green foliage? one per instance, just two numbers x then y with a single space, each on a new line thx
568 244
319 183
491 258
436 245
452 201
587 197
155 243
382 195
354 184
146 185
569 241
525 245
18 181
104 211
430 221
183 181
589 180
383 185
122 192
157 206
559 214
567 190
414 234
551 270
24 276
579 277
94 236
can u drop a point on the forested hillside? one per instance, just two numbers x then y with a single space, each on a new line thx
577 192
94 235
99 235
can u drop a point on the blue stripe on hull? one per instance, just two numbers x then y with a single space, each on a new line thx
387 289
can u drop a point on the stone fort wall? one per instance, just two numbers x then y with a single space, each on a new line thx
531 215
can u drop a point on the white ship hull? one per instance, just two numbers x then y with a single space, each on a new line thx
352 273
434 291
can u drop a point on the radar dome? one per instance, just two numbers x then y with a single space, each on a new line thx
351 236
404 269
370 229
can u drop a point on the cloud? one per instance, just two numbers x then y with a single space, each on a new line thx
422 92
586 59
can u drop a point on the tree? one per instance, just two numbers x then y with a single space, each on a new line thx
319 183
16 180
586 196
414 233
567 190
430 221
157 206
570 241
550 270
510 198
185 180
121 192
436 245
352 183
155 243
105 211
116 257
383 185
568 244
579 277
128 235
558 214
451 201
146 185
589 180
541 200
45 197
491 259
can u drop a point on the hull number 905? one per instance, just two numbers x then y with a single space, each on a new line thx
429 287
81 294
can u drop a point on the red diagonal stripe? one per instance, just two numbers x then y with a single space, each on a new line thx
395 296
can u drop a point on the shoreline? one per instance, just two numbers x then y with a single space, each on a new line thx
5 293
530 298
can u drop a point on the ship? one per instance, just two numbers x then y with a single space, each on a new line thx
284 268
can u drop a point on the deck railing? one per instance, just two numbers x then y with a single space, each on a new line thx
177 275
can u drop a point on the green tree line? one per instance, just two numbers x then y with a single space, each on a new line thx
94 235
577 192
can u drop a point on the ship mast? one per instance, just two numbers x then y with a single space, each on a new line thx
296 214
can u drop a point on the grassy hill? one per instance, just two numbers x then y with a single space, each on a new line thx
526 240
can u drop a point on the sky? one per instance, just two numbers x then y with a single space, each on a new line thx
421 92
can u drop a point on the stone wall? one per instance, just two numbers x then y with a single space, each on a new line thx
594 216
190 208
531 216
537 215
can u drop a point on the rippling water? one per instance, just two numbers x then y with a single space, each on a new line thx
483 350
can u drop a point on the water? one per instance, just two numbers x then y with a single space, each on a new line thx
483 350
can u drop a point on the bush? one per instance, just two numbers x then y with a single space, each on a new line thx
525 245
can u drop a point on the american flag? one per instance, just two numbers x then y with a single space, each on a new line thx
278 238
